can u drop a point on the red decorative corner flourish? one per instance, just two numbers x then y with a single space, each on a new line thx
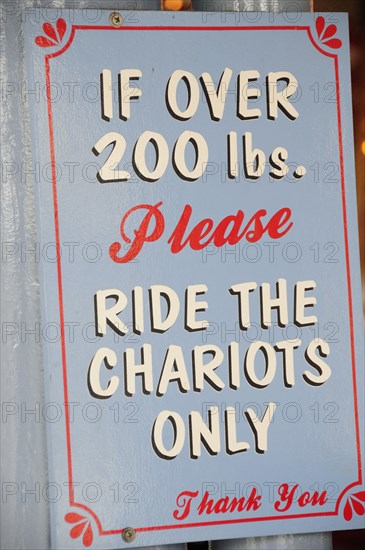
82 527
55 34
355 504
326 34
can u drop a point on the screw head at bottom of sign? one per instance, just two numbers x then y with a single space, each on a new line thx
129 534
116 19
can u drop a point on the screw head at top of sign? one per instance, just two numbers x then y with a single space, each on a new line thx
116 19
129 534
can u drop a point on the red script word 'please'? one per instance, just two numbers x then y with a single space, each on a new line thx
230 230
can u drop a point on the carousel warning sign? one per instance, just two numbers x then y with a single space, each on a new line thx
196 186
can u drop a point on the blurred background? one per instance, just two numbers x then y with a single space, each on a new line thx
176 4
342 540
356 11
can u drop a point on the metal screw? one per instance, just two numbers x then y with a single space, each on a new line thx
129 534
116 19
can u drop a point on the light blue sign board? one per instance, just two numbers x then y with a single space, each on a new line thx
245 417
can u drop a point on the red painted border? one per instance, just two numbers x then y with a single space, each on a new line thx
60 291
